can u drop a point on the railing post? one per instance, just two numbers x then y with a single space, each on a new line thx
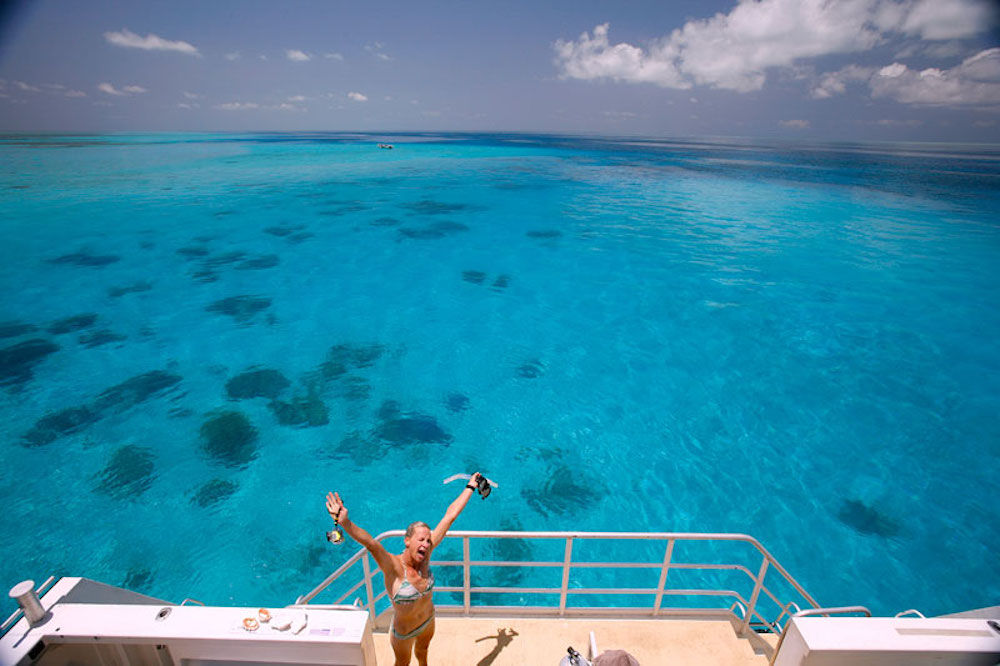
752 605
366 567
466 575
667 556
565 575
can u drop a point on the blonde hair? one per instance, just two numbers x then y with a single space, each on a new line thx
413 527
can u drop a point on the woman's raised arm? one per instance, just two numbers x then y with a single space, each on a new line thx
453 510
386 562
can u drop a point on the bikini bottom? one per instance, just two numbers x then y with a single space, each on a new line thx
412 634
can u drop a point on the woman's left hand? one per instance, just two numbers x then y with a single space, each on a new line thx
335 507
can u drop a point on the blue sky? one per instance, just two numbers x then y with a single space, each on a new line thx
817 69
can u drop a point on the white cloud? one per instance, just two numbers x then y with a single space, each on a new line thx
735 51
237 106
297 56
191 95
232 56
150 42
24 87
75 93
974 82
333 56
895 122
125 91
618 115
835 83
297 98
593 57
947 19
357 97
794 124
376 50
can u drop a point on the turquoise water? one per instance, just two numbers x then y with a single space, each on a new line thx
202 334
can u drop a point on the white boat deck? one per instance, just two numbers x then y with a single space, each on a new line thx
460 641
78 621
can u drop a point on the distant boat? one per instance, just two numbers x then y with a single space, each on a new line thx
387 146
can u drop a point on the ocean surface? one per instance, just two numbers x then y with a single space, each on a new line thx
202 334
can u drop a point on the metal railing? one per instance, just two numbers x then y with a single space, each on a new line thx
752 576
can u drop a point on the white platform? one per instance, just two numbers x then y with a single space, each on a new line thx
161 634
886 641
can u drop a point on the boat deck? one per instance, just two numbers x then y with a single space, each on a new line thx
462 641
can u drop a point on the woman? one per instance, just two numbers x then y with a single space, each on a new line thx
408 578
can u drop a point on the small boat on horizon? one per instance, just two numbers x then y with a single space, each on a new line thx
387 146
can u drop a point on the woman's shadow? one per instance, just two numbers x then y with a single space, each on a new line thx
503 639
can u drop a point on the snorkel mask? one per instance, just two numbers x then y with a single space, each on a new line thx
484 487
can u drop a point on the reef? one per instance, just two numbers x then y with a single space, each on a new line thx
207 267
530 369
85 259
57 424
433 231
355 389
284 230
138 579
241 308
214 491
194 251
411 428
13 329
129 473
384 222
259 263
475 277
135 390
101 337
263 383
118 398
302 411
867 519
432 207
229 438
500 283
135 287
17 362
340 358
563 492
74 323
456 402
544 233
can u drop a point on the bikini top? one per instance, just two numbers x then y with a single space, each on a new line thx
408 592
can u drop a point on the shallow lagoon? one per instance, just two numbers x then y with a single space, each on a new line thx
201 334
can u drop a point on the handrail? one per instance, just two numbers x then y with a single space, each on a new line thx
751 615
837 610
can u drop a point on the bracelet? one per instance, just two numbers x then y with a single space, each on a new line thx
470 487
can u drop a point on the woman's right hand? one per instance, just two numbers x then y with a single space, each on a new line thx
335 507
